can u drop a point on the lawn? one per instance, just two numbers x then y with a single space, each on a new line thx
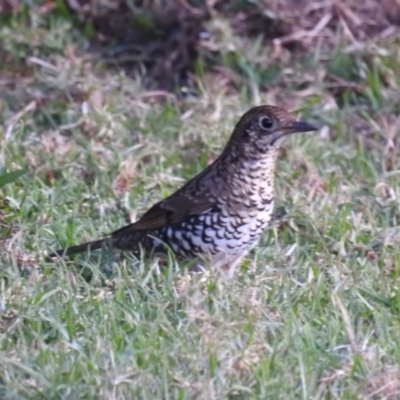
314 311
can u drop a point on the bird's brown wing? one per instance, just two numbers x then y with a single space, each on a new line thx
195 198
168 212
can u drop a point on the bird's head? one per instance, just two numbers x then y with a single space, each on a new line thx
262 129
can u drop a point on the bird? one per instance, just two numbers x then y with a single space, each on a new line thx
218 216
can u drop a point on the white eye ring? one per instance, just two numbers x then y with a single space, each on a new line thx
266 123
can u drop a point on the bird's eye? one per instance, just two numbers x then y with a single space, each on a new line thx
266 123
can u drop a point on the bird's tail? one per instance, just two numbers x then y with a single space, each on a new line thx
97 244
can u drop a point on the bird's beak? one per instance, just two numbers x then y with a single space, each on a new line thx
292 127
299 126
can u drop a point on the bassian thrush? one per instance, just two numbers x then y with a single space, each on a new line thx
220 214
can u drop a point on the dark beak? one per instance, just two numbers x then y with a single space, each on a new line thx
299 126
292 127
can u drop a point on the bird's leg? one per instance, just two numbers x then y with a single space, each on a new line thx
230 268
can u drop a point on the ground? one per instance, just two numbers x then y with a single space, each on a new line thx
314 310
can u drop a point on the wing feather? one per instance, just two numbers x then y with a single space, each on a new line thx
194 198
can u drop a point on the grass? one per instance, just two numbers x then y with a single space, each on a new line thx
314 310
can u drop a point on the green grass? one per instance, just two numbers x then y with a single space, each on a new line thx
312 314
